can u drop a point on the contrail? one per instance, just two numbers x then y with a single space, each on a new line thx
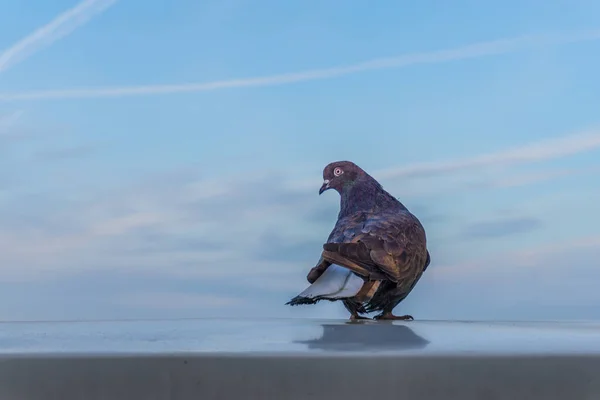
59 27
471 51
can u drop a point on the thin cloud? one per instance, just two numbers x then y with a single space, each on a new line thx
7 121
531 257
477 50
199 215
80 151
531 179
176 300
500 227
534 152
542 150
59 27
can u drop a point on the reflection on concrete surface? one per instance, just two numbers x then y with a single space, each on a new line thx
353 336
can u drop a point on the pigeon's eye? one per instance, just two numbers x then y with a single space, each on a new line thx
337 172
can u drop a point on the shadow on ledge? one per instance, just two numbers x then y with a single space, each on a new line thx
353 336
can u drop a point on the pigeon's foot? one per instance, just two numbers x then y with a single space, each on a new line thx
391 317
356 317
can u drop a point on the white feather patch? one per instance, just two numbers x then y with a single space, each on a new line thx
335 283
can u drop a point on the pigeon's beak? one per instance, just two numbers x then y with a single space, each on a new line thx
324 186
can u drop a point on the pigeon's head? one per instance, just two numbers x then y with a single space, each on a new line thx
340 174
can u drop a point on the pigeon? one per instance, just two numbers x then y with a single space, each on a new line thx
376 252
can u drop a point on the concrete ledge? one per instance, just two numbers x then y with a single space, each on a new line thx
299 359
183 377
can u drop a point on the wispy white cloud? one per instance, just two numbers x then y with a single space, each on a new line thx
59 27
524 179
473 166
177 301
193 224
554 280
543 150
65 153
524 257
533 257
476 50
7 121
499 227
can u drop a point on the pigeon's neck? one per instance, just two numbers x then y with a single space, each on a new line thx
365 195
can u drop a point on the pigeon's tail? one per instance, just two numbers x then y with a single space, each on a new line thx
299 300
334 284
382 297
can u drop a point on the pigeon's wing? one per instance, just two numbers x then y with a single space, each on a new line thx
363 269
385 246
344 230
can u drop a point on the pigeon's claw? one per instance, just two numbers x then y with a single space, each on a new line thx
391 317
356 317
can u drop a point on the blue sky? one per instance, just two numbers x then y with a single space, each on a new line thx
162 159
